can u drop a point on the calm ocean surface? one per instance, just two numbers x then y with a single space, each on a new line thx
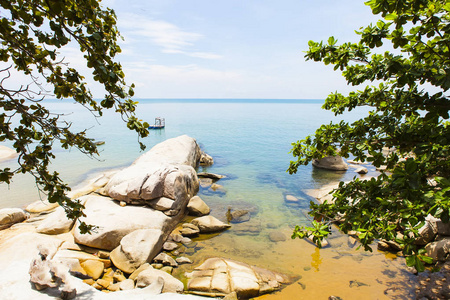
250 142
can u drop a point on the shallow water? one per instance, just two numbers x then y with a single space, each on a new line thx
250 143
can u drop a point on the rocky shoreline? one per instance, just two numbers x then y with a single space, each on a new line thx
134 247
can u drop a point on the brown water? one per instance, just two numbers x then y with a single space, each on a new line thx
339 270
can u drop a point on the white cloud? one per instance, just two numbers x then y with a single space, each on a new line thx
169 37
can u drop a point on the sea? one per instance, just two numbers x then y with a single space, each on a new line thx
250 141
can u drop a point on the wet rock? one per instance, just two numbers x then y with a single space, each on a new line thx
197 207
335 163
165 259
170 246
206 160
210 175
205 182
276 236
183 260
252 229
209 224
189 229
356 283
291 199
238 216
220 277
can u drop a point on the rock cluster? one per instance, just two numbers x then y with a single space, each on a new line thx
135 243
220 277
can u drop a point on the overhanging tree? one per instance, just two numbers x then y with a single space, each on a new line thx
31 34
408 95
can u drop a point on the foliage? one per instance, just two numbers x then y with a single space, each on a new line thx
31 33
407 91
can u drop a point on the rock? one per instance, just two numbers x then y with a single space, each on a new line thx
161 203
197 207
291 199
210 175
362 170
252 229
93 268
183 260
205 182
114 222
324 242
335 163
137 248
135 274
41 206
206 160
167 269
189 230
439 250
220 277
165 259
216 187
170 246
127 284
437 224
231 296
276 236
160 172
7 153
118 276
383 246
10 216
175 237
150 275
56 223
427 233
208 224
238 216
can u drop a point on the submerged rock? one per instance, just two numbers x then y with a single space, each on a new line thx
220 277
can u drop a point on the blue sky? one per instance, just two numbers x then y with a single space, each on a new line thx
232 48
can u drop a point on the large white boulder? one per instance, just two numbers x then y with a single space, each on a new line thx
155 173
113 222
10 216
335 163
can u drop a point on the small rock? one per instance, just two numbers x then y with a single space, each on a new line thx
206 160
208 224
93 268
197 207
167 269
183 260
210 175
356 283
176 237
362 170
169 246
10 216
127 284
118 276
238 216
290 199
170 283
189 230
139 270
276 236
165 260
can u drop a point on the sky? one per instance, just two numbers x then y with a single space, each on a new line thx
229 48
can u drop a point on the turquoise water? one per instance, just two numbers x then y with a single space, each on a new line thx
250 141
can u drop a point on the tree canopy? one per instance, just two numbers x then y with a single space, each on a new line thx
407 92
32 32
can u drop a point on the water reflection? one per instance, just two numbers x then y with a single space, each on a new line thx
316 259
